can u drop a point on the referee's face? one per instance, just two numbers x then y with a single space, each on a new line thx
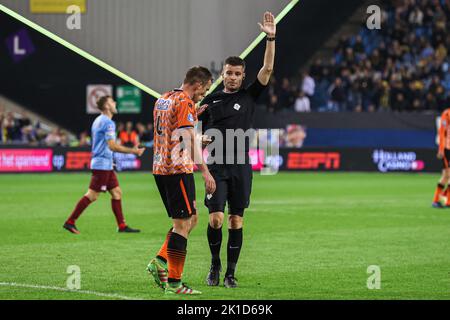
233 77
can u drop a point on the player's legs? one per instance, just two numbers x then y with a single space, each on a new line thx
178 195
83 203
193 223
234 245
214 234
440 188
176 255
216 206
116 205
157 266
182 209
239 200
446 180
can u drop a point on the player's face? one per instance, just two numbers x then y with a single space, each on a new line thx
201 91
111 105
233 77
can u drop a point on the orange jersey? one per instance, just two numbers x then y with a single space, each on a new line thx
172 111
444 131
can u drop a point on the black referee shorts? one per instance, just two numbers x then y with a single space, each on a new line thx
233 185
178 194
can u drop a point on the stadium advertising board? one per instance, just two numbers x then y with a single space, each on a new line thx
59 159
387 161
313 161
79 159
26 160
129 99
349 159
93 93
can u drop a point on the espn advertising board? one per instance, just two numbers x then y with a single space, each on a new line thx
384 160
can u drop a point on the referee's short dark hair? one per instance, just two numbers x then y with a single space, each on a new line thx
198 74
102 101
235 61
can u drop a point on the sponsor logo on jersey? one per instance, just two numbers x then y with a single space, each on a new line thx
163 104
190 117
157 158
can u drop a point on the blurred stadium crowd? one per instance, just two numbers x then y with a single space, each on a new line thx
404 66
17 128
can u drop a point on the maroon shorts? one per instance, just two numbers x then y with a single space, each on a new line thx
102 180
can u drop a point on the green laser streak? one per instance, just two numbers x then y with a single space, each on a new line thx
79 51
258 39
120 74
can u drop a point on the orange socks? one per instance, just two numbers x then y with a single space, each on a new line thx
176 254
438 192
162 254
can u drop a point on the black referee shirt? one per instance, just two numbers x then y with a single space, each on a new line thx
232 111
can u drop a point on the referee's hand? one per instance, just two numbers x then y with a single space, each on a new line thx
210 184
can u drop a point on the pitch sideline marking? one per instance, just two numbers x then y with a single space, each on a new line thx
99 294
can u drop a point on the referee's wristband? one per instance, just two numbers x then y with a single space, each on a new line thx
270 38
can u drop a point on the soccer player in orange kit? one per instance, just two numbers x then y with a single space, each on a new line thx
444 155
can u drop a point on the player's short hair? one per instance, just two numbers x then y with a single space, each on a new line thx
102 101
235 61
198 74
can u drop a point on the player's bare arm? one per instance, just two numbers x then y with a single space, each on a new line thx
204 138
115 147
269 27
196 153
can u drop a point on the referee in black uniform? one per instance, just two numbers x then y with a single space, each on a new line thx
233 108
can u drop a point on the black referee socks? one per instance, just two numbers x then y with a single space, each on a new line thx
215 242
233 250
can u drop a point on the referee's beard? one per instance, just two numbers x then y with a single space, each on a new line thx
232 88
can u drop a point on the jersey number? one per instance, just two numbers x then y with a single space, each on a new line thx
159 130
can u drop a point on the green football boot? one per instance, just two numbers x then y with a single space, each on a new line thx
158 269
181 289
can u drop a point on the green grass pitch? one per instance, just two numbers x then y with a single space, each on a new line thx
306 236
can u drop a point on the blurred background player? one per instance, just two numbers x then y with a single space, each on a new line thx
233 108
103 176
444 154
175 117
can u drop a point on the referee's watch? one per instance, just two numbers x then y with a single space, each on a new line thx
270 38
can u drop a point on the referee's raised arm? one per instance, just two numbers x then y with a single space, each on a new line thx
270 29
